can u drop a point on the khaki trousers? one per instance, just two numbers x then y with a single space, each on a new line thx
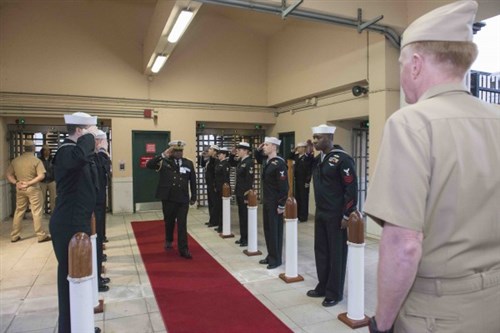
32 195
51 187
468 304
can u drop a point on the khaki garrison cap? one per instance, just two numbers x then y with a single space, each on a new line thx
449 23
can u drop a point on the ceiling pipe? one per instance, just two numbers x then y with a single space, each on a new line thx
388 32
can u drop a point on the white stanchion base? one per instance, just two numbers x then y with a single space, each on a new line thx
226 236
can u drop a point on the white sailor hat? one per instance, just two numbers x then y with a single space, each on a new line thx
273 140
214 147
100 135
80 118
301 144
324 129
243 145
177 144
451 23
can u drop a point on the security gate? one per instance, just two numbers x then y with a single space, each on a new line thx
227 139
360 148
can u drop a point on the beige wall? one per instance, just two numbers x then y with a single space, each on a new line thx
307 58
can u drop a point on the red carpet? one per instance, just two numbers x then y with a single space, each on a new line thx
199 295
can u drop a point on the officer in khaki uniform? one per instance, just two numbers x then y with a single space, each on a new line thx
26 172
436 188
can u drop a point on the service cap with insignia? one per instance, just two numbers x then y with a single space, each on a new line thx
177 144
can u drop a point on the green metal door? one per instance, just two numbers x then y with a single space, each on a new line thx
287 144
145 145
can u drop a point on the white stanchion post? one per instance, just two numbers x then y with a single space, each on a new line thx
252 249
81 304
80 283
226 211
95 284
355 316
291 247
98 304
356 285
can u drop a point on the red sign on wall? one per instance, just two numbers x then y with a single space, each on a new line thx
143 160
151 148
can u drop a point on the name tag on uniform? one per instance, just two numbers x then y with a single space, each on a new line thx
184 170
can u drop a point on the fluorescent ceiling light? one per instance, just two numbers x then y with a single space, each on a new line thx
180 26
159 62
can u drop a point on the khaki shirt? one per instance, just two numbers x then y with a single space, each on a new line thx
26 167
438 172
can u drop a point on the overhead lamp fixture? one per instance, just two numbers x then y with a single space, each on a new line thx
159 62
180 26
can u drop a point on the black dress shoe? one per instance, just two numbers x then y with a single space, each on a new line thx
329 302
207 223
97 330
104 280
103 288
242 244
238 241
264 262
186 255
219 230
272 266
314 293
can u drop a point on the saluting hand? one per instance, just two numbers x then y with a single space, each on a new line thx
168 152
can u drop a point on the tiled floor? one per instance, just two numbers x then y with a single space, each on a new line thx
28 292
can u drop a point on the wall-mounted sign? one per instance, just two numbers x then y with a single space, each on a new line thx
151 148
143 160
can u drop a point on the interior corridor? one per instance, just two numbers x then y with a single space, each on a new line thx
28 298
